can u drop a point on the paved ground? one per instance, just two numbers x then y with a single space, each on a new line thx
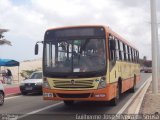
53 110
151 102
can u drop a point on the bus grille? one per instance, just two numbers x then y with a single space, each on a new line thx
76 84
83 95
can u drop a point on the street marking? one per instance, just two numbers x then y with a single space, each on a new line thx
39 110
12 97
133 97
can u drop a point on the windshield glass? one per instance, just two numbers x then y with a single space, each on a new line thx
78 55
36 75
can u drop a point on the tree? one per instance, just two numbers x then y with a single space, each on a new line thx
3 41
144 58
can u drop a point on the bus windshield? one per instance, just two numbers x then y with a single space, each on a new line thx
84 55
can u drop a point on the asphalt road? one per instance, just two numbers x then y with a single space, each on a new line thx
25 106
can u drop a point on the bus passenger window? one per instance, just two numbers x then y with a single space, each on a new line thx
121 51
126 52
134 56
138 56
137 59
112 47
117 49
130 54
124 49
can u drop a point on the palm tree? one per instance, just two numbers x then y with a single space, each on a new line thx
3 41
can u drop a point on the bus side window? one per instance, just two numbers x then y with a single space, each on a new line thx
126 52
121 50
112 47
135 53
124 49
132 55
129 53
137 58
117 49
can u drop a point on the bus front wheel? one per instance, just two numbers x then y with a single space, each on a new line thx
115 100
68 102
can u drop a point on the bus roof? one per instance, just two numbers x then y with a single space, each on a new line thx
107 29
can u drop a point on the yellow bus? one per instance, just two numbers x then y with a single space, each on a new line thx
87 63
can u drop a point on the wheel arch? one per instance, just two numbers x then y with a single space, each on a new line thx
120 84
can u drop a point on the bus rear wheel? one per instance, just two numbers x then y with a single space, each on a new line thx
68 102
115 100
1 98
132 90
24 93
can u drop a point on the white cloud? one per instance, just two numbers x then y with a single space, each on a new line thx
28 22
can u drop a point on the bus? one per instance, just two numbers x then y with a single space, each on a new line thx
87 63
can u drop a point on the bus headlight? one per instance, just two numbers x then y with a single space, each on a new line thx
21 84
45 83
38 83
102 84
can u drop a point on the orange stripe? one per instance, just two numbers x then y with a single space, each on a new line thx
128 83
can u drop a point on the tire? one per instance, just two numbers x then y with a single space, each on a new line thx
68 102
24 93
1 98
132 90
115 100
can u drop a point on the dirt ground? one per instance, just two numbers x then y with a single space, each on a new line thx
151 102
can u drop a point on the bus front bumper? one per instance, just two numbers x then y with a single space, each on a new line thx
104 94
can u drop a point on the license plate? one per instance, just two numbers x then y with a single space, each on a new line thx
28 88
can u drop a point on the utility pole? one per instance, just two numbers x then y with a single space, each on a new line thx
155 52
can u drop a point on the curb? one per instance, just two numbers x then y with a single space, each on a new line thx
13 94
139 99
129 103
12 91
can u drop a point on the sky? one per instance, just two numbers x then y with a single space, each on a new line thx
27 21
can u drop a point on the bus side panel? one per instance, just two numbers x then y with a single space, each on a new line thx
127 84
112 91
126 72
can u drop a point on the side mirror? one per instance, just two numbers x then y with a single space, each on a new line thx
112 44
36 49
